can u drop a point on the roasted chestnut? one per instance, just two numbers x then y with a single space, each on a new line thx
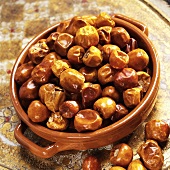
136 165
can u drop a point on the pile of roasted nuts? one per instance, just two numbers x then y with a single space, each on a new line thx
85 75
150 152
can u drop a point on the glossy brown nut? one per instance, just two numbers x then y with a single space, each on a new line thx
117 168
57 122
51 58
131 45
69 108
89 73
106 51
38 51
90 92
120 37
104 19
138 59
23 72
121 155
51 39
157 130
87 36
75 54
29 90
62 44
151 155
104 35
136 165
106 74
72 80
126 79
87 120
132 97
91 163
105 106
118 59
38 112
91 19
92 57
62 27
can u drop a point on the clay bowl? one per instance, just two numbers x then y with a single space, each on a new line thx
104 136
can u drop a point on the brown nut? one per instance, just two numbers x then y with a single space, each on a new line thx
51 58
91 19
138 59
62 44
121 155
23 72
72 80
157 130
91 163
105 106
38 112
75 54
69 108
92 57
38 51
104 35
151 155
136 165
89 73
87 120
51 39
62 27
87 36
57 122
117 168
131 45
132 97
120 37
107 50
106 74
126 79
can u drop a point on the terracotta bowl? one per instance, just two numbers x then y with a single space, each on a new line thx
104 136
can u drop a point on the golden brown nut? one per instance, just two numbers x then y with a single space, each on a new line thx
72 80
51 39
57 122
91 19
131 45
105 106
87 36
51 57
87 120
151 155
62 27
92 57
136 165
117 168
38 112
121 155
138 59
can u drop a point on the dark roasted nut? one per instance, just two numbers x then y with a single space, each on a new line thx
136 165
29 90
51 39
118 59
121 155
61 28
105 106
126 79
90 92
51 57
106 51
38 112
89 73
132 97
72 80
104 19
104 35
69 108
157 130
91 163
87 36
138 59
38 51
23 72
87 120
120 36
92 57
75 54
62 44
144 80
151 155
131 45
117 168
57 122
106 74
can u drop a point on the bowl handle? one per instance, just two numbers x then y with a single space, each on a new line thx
138 24
43 152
